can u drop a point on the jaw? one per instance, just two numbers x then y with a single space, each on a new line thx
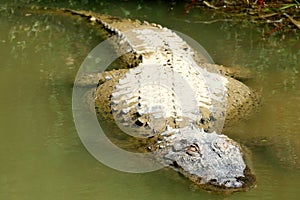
237 184
210 160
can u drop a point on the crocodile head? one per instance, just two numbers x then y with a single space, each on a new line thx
210 160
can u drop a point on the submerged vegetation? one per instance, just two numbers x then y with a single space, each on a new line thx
281 12
281 15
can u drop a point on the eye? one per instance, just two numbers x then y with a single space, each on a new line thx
193 150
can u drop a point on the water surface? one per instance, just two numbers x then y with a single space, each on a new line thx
41 155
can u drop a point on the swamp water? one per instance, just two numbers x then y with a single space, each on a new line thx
41 154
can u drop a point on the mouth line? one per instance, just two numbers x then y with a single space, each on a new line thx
248 181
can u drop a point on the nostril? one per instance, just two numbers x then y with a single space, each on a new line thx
220 146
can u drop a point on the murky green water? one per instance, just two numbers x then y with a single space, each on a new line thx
41 155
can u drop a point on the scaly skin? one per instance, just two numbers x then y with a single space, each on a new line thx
186 141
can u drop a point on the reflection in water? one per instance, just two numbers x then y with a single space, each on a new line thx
41 155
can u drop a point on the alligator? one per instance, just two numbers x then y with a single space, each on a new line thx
171 94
